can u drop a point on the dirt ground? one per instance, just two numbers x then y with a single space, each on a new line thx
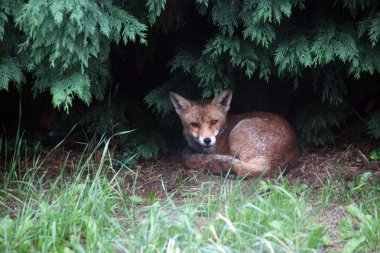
315 167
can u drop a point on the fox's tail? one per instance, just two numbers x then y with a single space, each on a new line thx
223 164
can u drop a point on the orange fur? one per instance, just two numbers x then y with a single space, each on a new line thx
250 144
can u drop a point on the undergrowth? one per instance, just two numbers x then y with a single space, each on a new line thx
96 209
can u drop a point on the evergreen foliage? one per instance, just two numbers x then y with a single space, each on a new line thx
64 37
10 72
65 44
11 61
155 8
323 50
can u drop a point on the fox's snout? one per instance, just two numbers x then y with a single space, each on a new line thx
208 140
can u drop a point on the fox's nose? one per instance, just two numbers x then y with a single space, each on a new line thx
207 141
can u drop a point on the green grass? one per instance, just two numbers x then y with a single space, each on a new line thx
96 209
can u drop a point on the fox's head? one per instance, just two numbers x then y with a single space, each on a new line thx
202 120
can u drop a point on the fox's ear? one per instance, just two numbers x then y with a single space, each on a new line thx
223 100
180 103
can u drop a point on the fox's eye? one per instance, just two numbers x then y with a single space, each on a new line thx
213 122
194 124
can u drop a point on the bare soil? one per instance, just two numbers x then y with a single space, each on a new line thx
315 167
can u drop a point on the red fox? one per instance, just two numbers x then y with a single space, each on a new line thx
250 145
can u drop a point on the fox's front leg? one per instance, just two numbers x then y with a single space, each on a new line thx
224 164
216 164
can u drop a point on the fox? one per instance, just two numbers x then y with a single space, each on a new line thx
250 145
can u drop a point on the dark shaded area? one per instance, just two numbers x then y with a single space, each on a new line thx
137 69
